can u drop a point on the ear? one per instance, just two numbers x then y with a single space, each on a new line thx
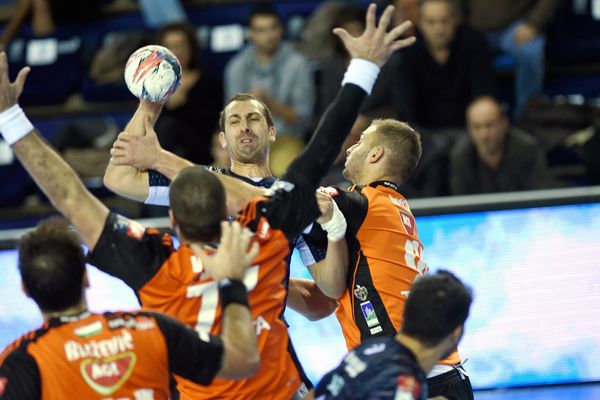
172 220
222 140
375 154
24 290
457 333
86 281
272 134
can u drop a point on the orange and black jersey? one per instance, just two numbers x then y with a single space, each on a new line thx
174 282
111 355
385 256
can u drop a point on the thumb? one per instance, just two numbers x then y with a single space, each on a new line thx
20 80
343 35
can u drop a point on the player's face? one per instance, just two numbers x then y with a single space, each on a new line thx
266 33
178 44
247 134
437 23
357 155
487 127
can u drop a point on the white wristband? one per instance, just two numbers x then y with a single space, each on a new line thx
336 226
14 124
362 73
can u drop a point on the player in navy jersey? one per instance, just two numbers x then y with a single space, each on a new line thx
395 368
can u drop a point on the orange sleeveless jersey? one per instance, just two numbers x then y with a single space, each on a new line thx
179 288
93 358
385 258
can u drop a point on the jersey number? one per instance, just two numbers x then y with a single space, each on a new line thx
413 255
210 298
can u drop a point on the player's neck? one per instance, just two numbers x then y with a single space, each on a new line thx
251 170
75 310
426 356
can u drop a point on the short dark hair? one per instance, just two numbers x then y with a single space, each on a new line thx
436 305
263 9
52 265
245 97
193 42
197 200
403 144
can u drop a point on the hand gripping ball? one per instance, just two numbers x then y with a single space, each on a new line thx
152 73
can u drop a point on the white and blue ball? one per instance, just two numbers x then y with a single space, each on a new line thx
153 73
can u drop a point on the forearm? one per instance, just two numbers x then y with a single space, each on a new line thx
62 186
241 358
127 181
331 274
238 192
170 164
145 109
305 298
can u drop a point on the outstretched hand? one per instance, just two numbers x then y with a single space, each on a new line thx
10 91
140 152
234 254
375 44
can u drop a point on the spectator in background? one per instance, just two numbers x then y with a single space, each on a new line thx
191 114
431 84
45 15
495 157
447 68
272 71
516 27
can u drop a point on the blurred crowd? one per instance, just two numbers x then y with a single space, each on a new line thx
472 85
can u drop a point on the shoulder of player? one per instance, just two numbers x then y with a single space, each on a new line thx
20 345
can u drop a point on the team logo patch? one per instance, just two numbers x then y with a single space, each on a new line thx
361 292
107 375
369 313
408 221
407 388
3 385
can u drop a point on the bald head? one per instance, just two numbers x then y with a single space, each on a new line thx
487 125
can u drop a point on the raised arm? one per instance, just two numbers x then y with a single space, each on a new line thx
124 176
144 153
369 52
51 173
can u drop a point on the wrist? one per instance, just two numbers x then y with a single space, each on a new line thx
362 73
336 226
232 291
14 124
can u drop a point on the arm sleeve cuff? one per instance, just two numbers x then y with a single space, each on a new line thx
362 73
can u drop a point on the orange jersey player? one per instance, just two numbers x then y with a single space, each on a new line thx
80 355
384 254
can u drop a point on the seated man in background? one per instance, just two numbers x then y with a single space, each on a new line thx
516 27
496 157
280 77
395 367
431 85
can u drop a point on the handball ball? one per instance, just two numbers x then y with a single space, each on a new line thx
152 73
